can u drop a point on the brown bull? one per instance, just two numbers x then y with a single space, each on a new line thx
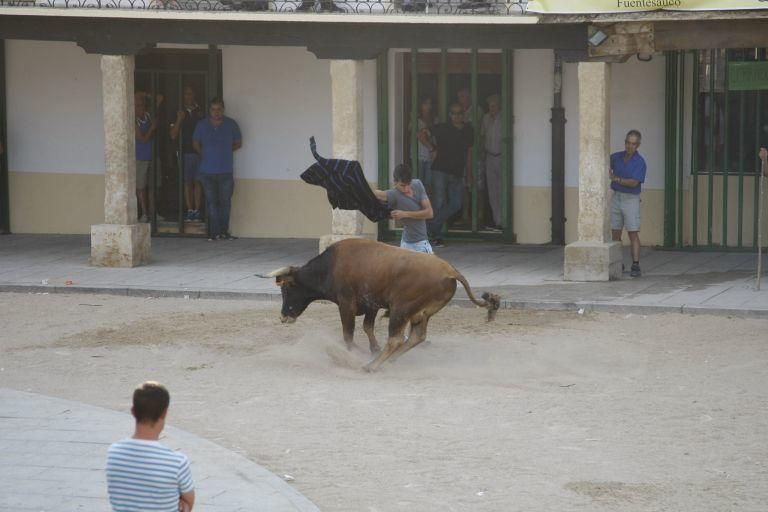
362 276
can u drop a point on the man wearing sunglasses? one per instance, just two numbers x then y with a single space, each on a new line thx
450 167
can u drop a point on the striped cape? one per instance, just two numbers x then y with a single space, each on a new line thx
345 184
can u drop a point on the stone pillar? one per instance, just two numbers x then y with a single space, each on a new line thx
594 257
121 241
347 104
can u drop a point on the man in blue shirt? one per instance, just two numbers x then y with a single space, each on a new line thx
627 173
216 138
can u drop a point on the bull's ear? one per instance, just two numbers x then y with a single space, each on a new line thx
284 280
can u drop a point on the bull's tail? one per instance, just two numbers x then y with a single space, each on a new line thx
490 301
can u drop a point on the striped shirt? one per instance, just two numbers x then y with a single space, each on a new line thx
146 476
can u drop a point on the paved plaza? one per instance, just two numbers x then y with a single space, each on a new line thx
54 453
525 276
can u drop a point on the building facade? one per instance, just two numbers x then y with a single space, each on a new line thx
283 77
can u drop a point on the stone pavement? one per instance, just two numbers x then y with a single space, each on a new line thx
53 455
525 276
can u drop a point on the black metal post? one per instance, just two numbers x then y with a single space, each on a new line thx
558 156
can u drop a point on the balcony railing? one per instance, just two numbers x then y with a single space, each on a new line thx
427 7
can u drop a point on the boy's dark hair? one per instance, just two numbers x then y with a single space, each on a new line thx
218 100
634 133
150 401
403 174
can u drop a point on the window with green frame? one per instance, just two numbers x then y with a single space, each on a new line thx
730 110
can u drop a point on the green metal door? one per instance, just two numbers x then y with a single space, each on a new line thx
440 75
711 194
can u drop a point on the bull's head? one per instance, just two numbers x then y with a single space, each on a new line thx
296 297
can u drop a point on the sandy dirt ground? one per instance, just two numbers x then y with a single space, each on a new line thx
539 411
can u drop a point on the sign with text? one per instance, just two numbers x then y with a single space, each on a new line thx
612 6
748 76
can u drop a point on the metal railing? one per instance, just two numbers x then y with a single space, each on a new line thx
429 7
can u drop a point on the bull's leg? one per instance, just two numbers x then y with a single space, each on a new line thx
348 325
397 324
418 334
368 322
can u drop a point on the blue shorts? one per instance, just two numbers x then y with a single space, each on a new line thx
422 246
191 167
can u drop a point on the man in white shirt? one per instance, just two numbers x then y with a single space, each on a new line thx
490 132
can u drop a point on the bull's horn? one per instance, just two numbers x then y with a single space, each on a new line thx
284 271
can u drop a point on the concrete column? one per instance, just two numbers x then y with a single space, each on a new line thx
594 257
347 104
120 241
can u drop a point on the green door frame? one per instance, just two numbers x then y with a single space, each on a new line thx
5 208
213 86
745 169
507 95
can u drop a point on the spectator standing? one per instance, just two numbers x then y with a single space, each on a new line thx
427 147
627 174
145 132
464 98
186 121
215 139
490 133
450 169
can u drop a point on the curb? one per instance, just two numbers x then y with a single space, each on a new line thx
540 305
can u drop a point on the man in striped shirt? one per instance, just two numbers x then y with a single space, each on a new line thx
142 474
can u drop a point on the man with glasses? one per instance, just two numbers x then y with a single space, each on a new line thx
627 173
450 167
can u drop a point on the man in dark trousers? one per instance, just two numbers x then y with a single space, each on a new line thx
450 167
186 121
216 138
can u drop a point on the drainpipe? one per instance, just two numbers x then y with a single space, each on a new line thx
558 156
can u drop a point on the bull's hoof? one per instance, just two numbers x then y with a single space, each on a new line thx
375 351
370 367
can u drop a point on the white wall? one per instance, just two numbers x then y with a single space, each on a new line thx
637 102
55 119
280 97
532 111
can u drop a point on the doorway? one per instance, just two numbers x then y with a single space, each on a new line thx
440 77
162 76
